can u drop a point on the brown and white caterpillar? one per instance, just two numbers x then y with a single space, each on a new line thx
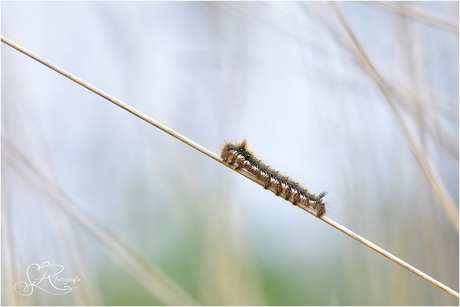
238 156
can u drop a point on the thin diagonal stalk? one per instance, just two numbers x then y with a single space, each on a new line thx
425 163
242 172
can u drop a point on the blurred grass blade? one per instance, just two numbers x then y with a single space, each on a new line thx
426 165
145 272
420 15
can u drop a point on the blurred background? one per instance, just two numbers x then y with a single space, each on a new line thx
143 219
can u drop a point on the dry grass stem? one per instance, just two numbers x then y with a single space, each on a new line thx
242 172
426 165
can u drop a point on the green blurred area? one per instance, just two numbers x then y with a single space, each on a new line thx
279 289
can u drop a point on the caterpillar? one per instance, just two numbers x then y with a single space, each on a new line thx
239 157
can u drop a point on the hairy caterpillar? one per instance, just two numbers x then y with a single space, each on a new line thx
238 156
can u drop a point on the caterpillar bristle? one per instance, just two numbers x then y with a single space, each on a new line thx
322 194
